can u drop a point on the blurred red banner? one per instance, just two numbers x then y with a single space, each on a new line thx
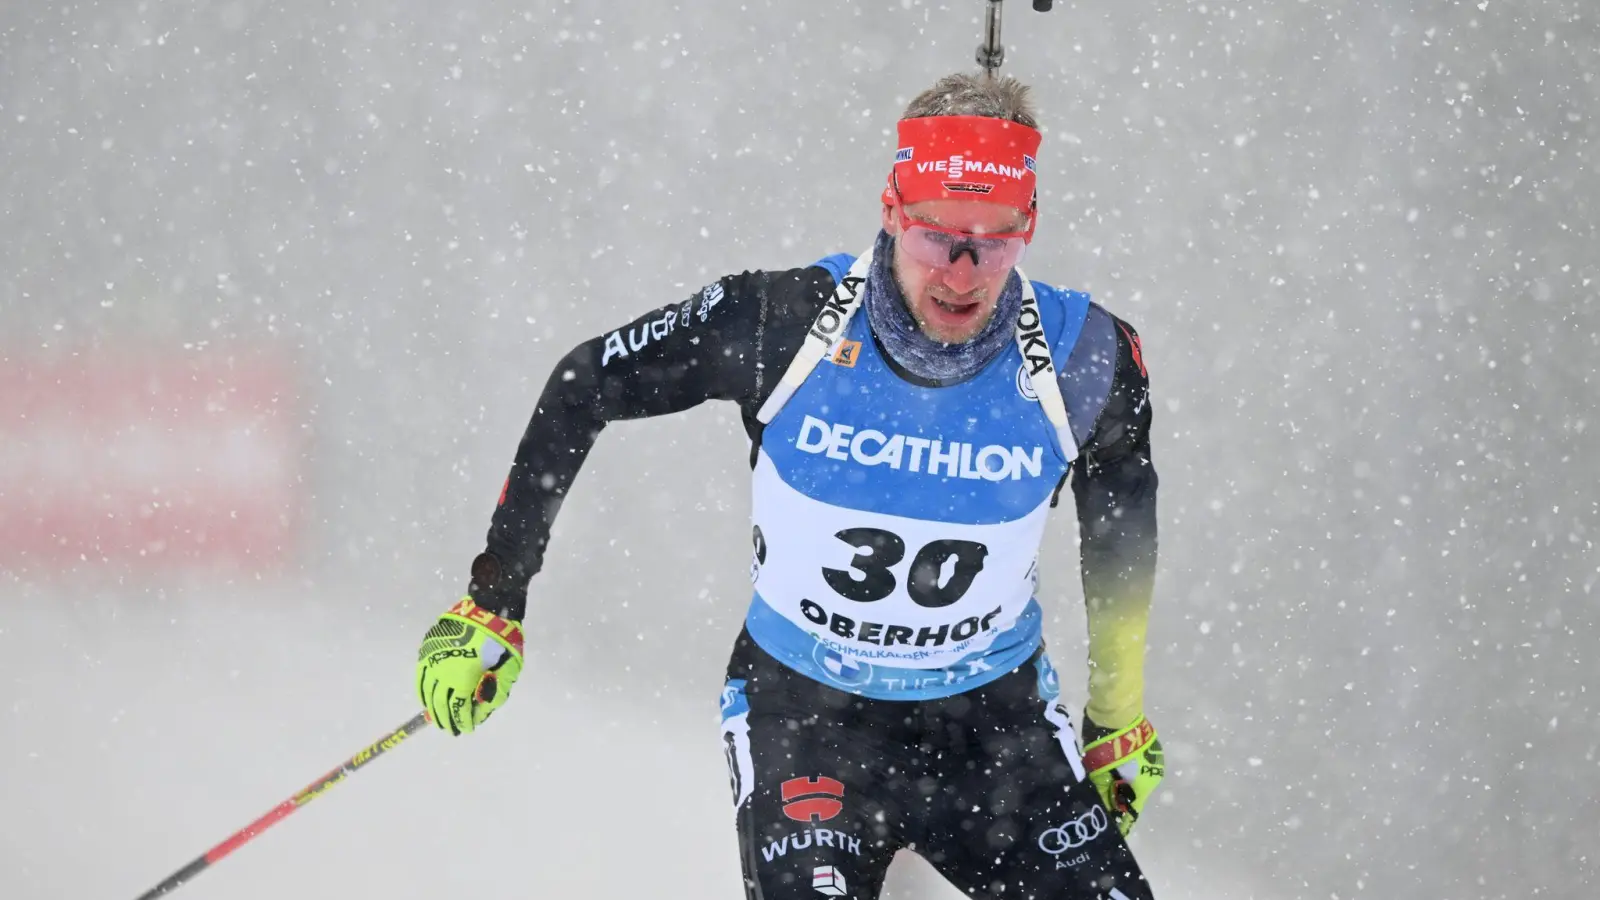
148 462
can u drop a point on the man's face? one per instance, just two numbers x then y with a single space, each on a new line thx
951 303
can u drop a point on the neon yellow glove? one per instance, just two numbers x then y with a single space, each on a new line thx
1125 765
468 662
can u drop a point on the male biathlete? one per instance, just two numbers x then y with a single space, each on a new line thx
912 413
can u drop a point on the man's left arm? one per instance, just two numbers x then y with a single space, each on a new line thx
1114 483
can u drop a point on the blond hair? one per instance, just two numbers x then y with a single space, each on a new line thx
964 94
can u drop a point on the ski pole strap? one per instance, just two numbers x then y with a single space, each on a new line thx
311 792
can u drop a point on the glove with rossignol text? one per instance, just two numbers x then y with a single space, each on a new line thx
1125 765
469 660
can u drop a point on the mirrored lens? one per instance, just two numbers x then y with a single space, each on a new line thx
939 249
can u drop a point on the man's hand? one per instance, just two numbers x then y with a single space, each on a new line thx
468 662
1125 765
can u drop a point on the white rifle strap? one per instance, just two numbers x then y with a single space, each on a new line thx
829 326
1042 368
835 317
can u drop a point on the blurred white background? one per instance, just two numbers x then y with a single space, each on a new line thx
279 283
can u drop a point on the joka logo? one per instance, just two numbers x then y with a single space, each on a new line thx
847 353
1031 334
812 799
840 306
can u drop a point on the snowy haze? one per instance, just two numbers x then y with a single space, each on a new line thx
1358 239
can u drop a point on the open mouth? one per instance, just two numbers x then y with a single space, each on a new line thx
956 308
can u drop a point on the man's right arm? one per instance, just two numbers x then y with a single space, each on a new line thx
709 347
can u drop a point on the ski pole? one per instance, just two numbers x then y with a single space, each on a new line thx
309 793
992 53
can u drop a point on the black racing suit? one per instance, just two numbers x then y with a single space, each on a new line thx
833 784
830 785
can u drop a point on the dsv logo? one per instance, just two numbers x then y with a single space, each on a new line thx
1074 833
812 800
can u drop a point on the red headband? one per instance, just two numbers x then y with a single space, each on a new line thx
966 158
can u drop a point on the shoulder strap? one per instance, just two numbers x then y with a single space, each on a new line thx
1036 356
829 326
835 317
837 264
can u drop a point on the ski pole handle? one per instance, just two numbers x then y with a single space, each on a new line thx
311 792
991 53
